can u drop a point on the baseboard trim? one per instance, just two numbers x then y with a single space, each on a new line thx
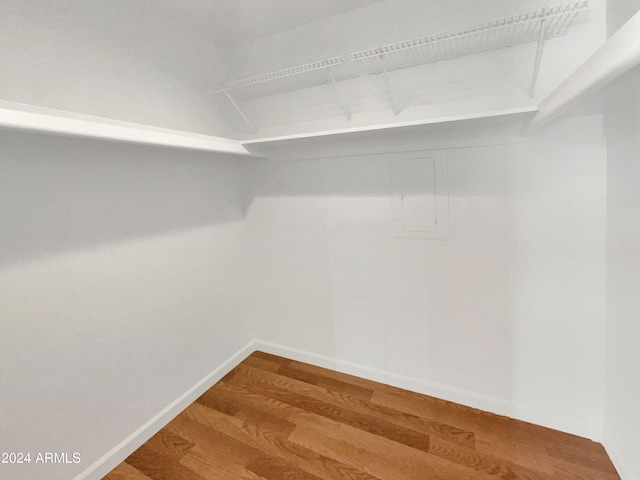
445 392
617 458
120 452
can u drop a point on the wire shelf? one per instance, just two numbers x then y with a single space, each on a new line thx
519 29
288 79
537 26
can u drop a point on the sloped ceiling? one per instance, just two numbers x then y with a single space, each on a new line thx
227 23
235 22
187 38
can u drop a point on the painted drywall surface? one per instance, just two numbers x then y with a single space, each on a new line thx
118 290
511 307
618 12
623 277
476 83
131 63
621 421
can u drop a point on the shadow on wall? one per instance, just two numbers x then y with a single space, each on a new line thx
363 164
60 194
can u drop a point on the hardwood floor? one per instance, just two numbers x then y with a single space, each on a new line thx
276 419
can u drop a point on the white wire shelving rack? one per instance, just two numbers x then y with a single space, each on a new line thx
537 26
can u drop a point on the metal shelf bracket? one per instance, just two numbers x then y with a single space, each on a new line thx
336 93
538 60
239 110
387 80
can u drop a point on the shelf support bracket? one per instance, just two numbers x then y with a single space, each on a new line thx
539 51
336 92
244 117
387 80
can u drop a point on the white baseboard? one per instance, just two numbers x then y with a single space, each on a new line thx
501 407
121 451
617 458
445 392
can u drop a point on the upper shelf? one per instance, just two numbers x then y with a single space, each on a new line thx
15 116
528 27
473 130
293 78
389 127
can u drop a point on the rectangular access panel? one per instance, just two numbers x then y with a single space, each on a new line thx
420 196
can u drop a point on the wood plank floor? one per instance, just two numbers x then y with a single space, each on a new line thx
276 419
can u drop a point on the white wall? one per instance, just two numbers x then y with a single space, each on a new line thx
125 274
129 62
480 83
118 289
622 421
507 315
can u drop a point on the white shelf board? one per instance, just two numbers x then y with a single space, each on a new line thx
30 118
389 126
16 116
617 57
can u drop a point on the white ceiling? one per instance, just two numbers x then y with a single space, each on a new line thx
228 23
233 22
190 39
